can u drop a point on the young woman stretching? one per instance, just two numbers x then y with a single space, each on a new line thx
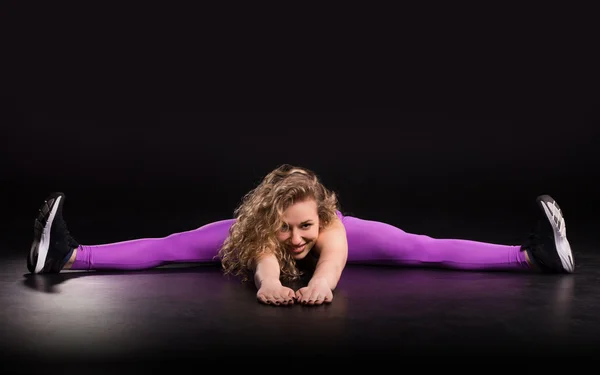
288 219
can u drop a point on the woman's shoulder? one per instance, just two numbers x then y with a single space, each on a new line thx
330 236
334 228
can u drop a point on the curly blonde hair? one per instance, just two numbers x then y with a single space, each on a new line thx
258 219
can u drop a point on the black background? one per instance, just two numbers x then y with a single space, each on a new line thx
154 121
148 170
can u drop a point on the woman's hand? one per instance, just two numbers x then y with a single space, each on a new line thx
315 293
274 293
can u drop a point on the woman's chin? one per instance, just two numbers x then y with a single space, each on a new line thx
300 256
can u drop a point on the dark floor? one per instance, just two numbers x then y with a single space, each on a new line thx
177 316
192 314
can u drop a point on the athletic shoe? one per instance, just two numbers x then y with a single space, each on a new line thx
548 247
52 244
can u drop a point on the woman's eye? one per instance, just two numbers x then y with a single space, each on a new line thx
285 228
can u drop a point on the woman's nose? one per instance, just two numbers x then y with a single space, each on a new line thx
296 238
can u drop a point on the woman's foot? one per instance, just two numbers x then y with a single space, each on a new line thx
52 244
548 248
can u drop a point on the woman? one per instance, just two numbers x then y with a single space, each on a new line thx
289 219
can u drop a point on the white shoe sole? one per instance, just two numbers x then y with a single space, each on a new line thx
44 242
556 219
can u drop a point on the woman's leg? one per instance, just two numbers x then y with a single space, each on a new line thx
373 242
198 245
54 249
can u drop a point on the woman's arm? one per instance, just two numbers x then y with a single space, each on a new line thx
333 253
266 279
332 246
267 271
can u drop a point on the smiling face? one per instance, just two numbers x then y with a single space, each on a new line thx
300 228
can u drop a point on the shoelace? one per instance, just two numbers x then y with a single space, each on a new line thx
64 229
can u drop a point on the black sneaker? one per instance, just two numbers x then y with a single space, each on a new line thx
52 242
548 247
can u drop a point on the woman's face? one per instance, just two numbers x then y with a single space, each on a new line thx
300 228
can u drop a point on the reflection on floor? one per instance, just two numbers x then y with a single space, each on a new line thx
194 314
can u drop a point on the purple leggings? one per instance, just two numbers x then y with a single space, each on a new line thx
369 242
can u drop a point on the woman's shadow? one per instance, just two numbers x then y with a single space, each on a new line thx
48 282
